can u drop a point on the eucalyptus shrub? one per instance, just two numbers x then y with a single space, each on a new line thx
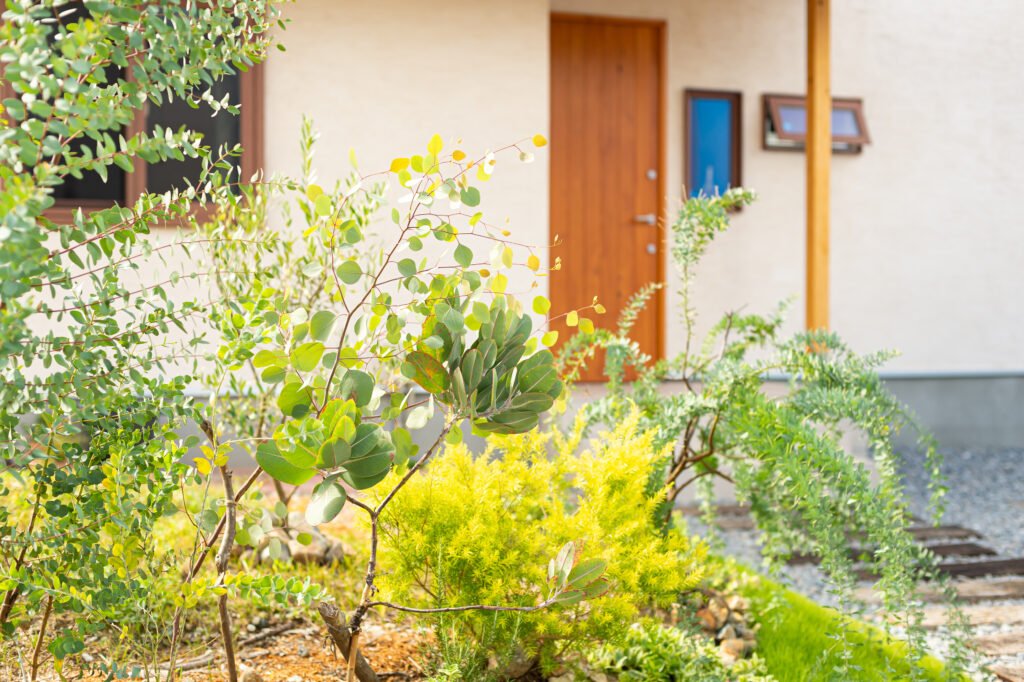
91 384
262 240
783 454
420 300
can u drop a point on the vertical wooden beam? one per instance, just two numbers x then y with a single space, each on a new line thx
819 156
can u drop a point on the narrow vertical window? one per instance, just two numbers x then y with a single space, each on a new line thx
712 141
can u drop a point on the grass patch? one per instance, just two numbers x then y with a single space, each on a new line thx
800 640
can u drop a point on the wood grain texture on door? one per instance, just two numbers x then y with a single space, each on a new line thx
606 169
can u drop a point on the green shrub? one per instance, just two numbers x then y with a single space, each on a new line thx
783 453
478 530
656 653
87 339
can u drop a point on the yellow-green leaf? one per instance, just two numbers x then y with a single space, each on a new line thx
499 283
533 262
506 257
399 164
549 339
586 326
435 145
572 319
203 465
313 191
541 305
599 309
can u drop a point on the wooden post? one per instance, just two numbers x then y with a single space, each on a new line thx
819 156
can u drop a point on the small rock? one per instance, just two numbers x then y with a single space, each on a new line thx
733 650
247 674
713 617
297 523
313 553
728 632
567 677
737 603
337 552
295 678
284 557
87 657
519 665
302 651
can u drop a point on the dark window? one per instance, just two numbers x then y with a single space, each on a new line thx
785 123
91 185
713 141
224 128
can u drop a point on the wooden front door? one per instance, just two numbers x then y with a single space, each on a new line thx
606 186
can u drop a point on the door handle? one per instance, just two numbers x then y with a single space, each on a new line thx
646 218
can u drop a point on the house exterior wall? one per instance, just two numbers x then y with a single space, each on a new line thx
382 79
926 238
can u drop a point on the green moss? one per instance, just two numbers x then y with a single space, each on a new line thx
800 640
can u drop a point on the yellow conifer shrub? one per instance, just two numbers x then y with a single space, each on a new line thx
480 530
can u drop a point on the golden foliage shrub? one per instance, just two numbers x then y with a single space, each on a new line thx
480 530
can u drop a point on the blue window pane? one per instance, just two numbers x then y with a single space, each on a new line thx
711 146
844 123
793 120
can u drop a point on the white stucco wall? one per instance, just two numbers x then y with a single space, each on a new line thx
927 245
383 78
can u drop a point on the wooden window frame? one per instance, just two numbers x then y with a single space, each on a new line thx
773 103
251 136
734 96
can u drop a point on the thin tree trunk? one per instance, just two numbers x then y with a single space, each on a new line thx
14 592
223 555
39 640
338 630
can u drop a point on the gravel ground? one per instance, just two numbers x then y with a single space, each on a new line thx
986 494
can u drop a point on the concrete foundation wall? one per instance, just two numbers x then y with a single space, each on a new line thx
965 412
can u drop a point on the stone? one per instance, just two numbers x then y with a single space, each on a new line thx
567 677
713 616
338 552
728 632
707 620
743 632
285 554
733 650
519 665
313 553
737 603
247 674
